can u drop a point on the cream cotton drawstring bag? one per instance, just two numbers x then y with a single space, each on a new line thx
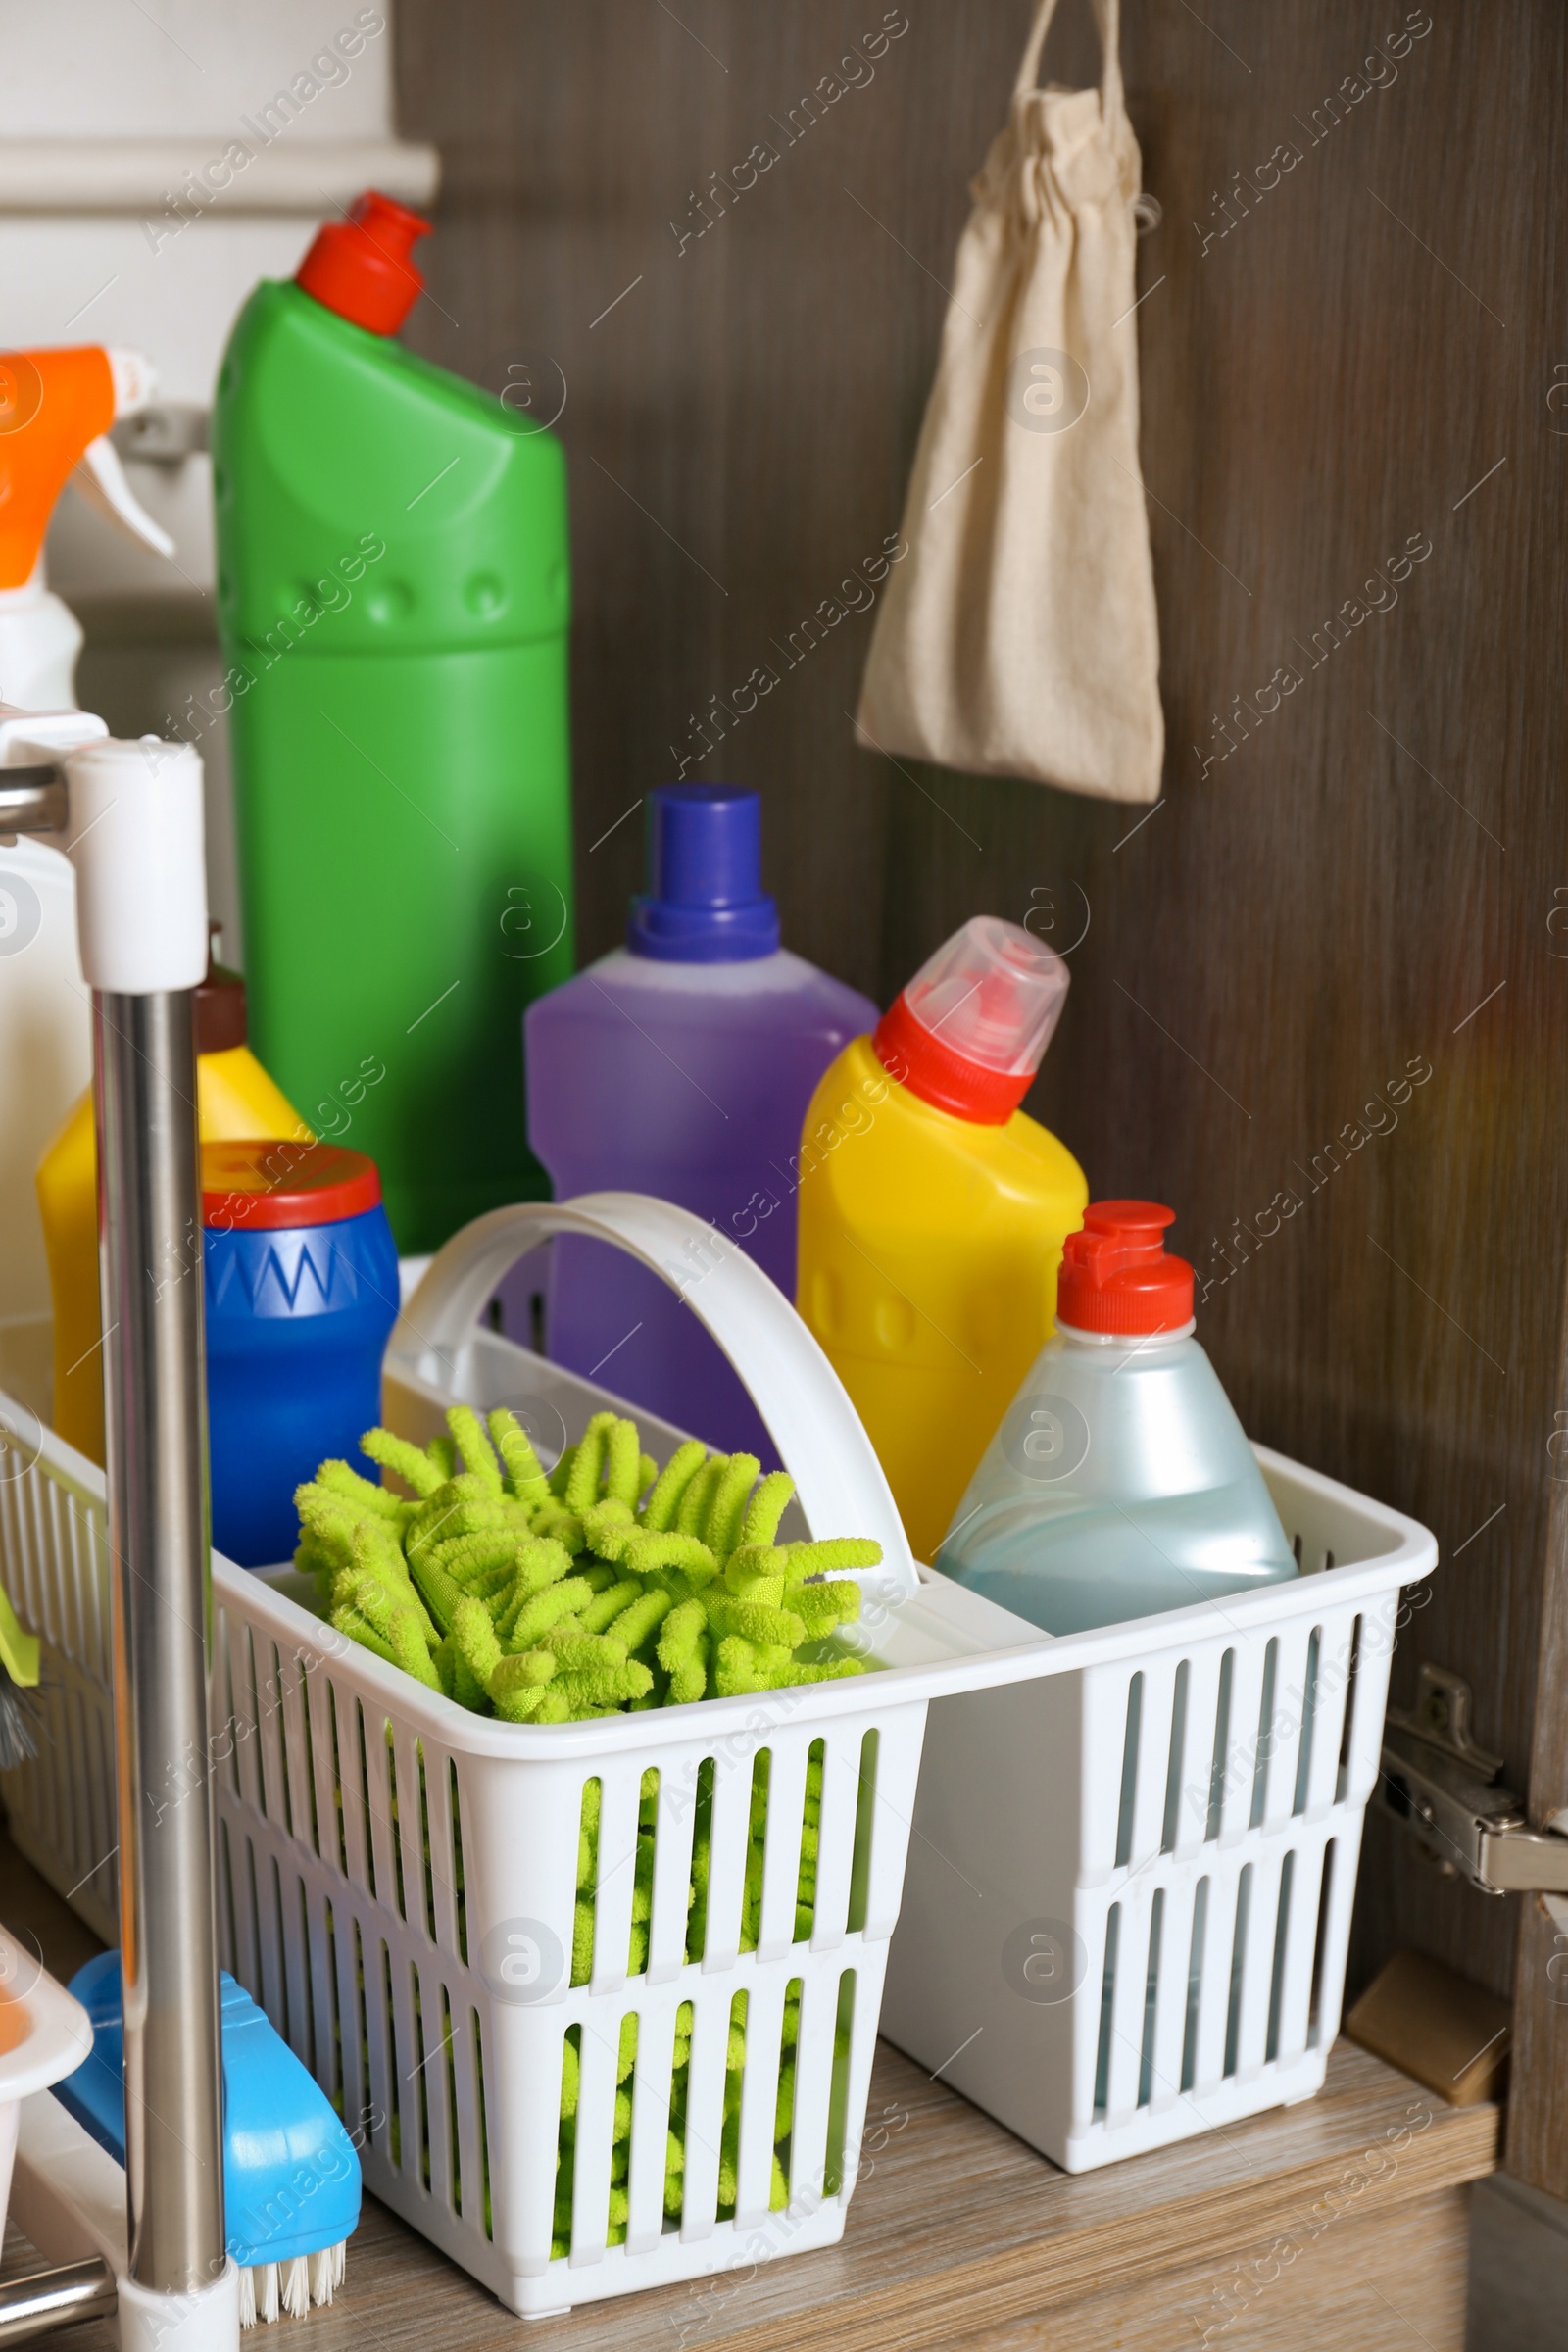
1019 635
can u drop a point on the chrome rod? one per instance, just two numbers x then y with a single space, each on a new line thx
149 1222
33 800
50 2299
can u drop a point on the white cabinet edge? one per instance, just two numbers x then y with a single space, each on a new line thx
152 177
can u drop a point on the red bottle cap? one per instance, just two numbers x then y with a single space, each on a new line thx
968 1032
258 1187
1116 1274
361 266
910 1053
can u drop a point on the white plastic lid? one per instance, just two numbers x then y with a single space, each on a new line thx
137 843
991 994
45 2033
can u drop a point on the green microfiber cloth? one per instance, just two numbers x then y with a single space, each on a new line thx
19 1651
607 1584
19 1679
735 2051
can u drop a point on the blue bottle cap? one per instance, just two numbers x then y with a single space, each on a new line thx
705 901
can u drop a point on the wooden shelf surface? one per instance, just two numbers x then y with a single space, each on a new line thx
958 2234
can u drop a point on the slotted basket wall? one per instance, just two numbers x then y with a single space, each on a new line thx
1147 1932
413 1945
54 1564
396 1877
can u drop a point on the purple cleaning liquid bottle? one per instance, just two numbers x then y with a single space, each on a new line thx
681 1065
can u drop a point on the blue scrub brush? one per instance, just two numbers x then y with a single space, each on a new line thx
291 2180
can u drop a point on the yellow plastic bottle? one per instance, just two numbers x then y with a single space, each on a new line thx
933 1212
236 1103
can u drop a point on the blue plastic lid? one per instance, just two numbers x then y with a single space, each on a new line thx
705 901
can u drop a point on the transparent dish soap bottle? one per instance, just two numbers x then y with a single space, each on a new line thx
1120 1482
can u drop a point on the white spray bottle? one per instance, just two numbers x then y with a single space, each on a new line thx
56 410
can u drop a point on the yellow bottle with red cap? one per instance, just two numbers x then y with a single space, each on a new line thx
933 1212
236 1103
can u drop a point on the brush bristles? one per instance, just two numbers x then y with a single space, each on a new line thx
326 2272
272 2291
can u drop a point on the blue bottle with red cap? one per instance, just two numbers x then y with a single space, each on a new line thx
1120 1482
681 1065
300 1274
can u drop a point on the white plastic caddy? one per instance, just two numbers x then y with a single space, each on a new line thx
397 1876
1128 1901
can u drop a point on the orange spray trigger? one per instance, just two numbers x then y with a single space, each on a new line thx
56 409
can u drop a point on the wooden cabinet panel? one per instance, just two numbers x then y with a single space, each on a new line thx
1322 999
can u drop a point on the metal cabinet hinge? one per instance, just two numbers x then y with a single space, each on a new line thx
1445 1790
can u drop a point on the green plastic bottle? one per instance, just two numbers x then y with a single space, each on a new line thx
393 596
